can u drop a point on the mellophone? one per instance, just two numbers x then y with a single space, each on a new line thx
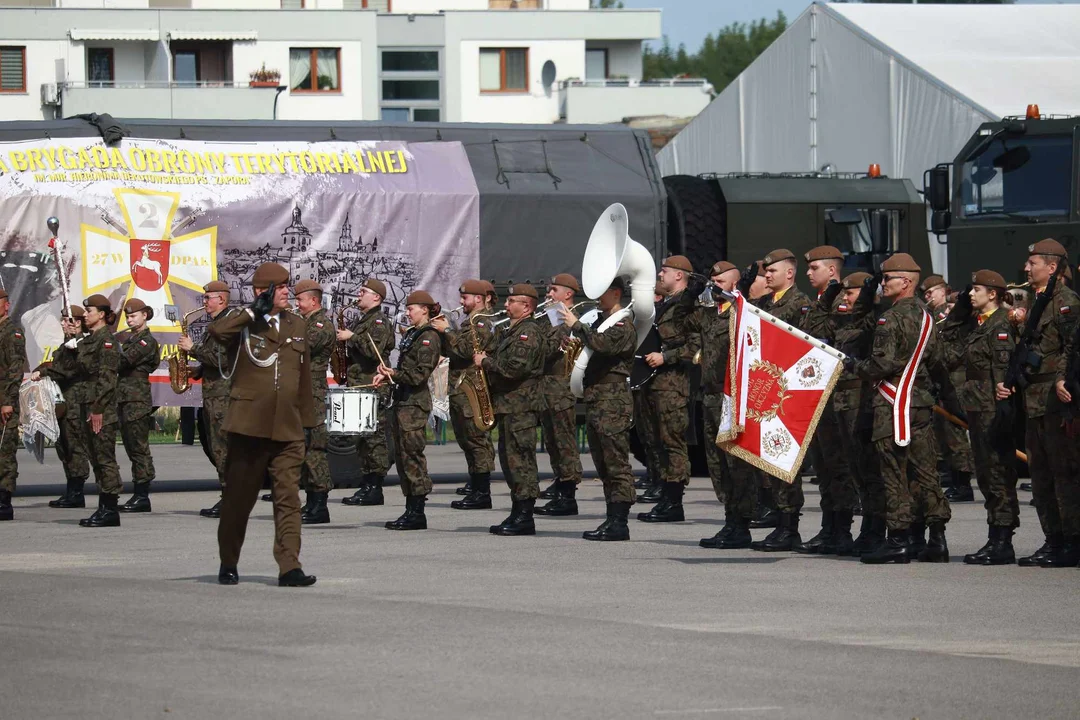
352 411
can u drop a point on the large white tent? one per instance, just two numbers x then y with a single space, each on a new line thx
903 86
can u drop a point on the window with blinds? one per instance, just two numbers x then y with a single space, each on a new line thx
504 69
12 69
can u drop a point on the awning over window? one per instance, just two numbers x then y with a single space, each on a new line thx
213 35
126 35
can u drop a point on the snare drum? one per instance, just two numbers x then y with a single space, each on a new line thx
352 411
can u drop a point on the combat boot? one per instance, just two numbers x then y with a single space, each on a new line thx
1066 555
521 522
961 490
268 497
139 502
316 513
766 514
467 488
785 537
374 494
479 498
642 483
871 536
106 515
564 503
712 542
367 483
1053 542
654 493
413 518
739 538
936 550
551 491
817 544
841 541
494 529
212 512
917 538
73 497
998 549
6 511
615 527
669 509
895 549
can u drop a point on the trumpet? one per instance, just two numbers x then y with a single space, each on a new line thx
449 317
542 308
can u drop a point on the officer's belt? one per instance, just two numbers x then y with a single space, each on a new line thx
1042 377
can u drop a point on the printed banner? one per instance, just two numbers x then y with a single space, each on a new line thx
779 379
157 220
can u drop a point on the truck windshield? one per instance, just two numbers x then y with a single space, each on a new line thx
1026 176
865 236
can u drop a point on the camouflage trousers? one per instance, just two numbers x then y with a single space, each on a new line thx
863 465
646 433
609 412
1054 459
135 424
517 453
315 472
561 443
669 419
953 446
101 451
912 491
835 481
410 423
995 471
9 443
373 450
70 446
474 442
214 411
734 481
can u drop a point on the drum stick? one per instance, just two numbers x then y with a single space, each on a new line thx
961 424
379 355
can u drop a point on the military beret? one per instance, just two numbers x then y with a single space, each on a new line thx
376 286
473 287
97 300
419 297
269 273
524 289
824 252
987 278
3 293
135 305
760 268
216 286
776 256
900 262
678 262
854 280
566 280
489 289
76 311
721 267
1049 246
931 281
307 286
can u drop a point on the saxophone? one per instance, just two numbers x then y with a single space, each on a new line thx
474 383
179 372
339 361
573 345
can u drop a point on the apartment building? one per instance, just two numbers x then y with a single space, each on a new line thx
517 61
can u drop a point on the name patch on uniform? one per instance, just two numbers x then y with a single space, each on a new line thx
523 337
1003 336
881 321
143 343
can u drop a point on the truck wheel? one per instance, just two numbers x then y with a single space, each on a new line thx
695 217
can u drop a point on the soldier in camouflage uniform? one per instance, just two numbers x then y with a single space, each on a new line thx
1053 452
12 362
418 356
667 395
216 367
559 418
140 355
514 369
372 327
954 449
646 433
609 408
980 340
912 492
321 340
70 447
459 346
784 302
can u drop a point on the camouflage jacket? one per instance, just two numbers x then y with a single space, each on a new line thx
713 325
363 361
98 363
457 345
12 362
322 340
63 370
140 355
981 354
1054 332
821 320
556 383
678 342
895 338
792 306
418 357
612 351
514 368
216 360
851 332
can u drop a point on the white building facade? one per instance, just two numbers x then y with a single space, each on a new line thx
516 61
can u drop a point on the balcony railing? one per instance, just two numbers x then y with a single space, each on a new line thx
206 99
612 100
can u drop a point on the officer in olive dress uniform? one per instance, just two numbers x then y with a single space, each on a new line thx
418 356
140 355
12 362
270 406
370 338
70 447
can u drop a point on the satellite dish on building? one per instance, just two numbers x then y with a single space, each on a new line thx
547 74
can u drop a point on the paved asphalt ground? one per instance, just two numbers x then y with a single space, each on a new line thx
456 623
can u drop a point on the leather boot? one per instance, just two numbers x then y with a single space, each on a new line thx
374 494
551 491
712 542
479 498
564 503
936 550
998 549
739 538
1066 555
860 545
841 541
1049 547
871 536
785 537
655 492
669 509
73 497
212 512
467 488
642 483
361 491
521 522
494 529
139 502
817 544
917 538
269 497
106 515
6 511
413 518
961 490
316 513
895 549
766 515
615 527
